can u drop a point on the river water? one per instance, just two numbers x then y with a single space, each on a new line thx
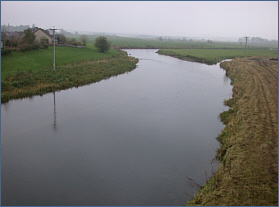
133 139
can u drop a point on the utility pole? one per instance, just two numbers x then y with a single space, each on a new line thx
53 47
245 47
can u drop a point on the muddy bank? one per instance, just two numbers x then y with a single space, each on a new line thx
248 171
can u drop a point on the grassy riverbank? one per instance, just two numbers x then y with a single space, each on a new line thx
213 56
26 83
248 172
37 60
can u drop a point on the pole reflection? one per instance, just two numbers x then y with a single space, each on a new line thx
54 113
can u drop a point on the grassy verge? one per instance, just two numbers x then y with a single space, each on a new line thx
248 172
40 81
213 56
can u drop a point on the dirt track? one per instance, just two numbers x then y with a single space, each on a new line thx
248 173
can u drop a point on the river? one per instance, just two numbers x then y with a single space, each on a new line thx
133 139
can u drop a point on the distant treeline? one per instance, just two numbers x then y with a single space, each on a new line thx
258 40
9 28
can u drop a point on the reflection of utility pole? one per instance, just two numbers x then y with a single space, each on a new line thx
245 47
53 48
54 113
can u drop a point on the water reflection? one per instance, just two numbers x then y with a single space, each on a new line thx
54 113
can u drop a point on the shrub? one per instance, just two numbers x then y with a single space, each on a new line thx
102 44
28 47
6 52
44 47
8 43
73 41
35 47
5 86
22 49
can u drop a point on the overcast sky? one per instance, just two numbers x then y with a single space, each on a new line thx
162 18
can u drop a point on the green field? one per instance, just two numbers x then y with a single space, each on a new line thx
37 60
29 73
212 56
43 59
20 84
134 43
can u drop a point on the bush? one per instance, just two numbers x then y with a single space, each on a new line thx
80 44
8 43
28 47
35 47
5 86
22 49
6 52
73 41
102 44
44 47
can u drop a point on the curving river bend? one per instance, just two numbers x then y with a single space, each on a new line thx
130 140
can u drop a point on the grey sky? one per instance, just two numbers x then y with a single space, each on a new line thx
164 18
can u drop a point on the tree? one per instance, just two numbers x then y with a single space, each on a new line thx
102 44
83 39
62 39
29 36
44 41
73 41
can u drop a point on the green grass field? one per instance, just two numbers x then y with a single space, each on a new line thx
199 51
20 84
130 42
212 56
36 60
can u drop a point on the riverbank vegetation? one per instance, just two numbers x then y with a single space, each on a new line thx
213 56
248 171
36 79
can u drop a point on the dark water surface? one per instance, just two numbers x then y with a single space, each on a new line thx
129 140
